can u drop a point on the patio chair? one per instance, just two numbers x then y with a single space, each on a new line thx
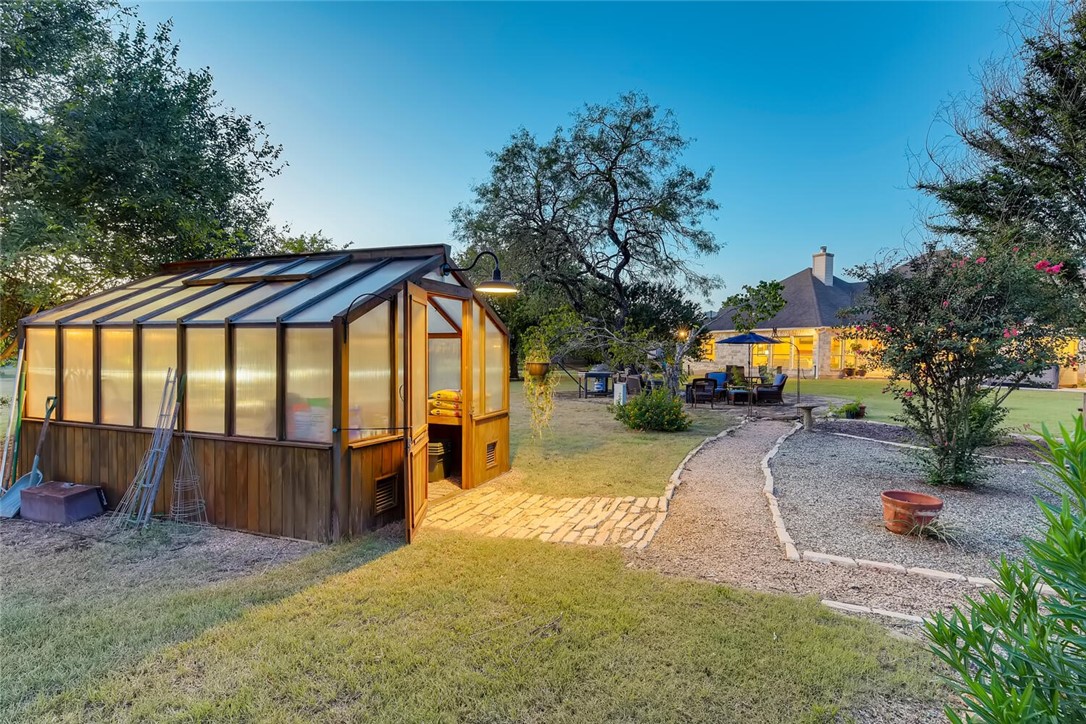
771 393
721 380
703 390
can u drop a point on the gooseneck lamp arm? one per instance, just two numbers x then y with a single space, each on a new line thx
447 268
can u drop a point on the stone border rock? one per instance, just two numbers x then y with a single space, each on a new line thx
676 480
857 608
771 498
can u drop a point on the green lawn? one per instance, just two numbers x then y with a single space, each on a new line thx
585 451
448 629
1026 407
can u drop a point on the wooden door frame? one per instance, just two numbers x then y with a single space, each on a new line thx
414 437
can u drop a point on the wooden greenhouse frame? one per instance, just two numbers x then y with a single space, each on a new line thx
312 421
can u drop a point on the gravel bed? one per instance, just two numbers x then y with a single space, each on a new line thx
829 489
1012 448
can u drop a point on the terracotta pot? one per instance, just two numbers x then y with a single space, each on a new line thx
537 369
903 510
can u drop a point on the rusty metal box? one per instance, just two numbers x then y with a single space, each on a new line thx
55 502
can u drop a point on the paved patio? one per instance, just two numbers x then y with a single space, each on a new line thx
625 522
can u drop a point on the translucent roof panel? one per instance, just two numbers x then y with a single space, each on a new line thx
209 296
152 306
310 265
234 270
219 271
113 299
436 324
437 276
373 283
229 308
269 269
306 291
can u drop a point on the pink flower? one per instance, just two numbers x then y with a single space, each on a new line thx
1042 265
908 393
1055 268
1015 249
889 328
946 303
1006 334
981 259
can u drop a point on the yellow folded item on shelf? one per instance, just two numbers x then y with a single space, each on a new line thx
444 405
453 395
438 412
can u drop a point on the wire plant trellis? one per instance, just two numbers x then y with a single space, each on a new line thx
134 510
188 504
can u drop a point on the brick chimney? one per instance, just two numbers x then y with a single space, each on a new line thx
823 267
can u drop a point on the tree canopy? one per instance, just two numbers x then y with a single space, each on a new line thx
114 157
597 212
1023 173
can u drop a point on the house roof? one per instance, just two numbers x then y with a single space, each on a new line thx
290 289
809 303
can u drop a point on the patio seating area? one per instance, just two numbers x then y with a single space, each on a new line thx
733 387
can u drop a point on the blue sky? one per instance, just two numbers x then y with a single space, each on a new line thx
806 111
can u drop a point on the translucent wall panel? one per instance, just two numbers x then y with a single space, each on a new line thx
41 363
205 379
254 381
478 359
417 367
436 324
158 353
369 395
309 384
116 378
452 307
495 368
444 369
77 396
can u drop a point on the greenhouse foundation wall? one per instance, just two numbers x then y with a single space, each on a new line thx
280 489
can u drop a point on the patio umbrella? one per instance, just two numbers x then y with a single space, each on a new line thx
750 339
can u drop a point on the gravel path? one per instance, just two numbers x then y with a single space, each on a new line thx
718 528
1014 448
828 489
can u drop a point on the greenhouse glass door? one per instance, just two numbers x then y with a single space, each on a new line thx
417 391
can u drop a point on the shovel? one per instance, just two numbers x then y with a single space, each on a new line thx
11 501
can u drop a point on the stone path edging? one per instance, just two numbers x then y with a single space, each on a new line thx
771 498
857 608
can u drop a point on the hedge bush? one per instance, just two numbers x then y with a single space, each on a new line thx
657 410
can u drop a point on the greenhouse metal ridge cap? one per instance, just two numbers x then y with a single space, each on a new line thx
376 252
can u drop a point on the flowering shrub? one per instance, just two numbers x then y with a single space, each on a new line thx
945 325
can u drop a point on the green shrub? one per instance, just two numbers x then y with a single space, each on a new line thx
1019 653
985 419
657 410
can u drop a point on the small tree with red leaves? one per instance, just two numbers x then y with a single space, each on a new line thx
946 326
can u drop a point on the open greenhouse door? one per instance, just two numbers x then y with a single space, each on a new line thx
417 462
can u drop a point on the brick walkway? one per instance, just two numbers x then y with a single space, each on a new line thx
626 522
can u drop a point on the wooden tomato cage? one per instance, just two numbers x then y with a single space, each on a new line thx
307 380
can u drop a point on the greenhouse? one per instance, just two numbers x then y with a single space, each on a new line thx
314 386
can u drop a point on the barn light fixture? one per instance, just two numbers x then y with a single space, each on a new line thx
495 285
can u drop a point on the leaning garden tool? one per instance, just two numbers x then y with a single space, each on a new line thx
9 435
11 500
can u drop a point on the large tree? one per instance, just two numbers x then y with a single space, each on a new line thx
1023 171
114 157
597 211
